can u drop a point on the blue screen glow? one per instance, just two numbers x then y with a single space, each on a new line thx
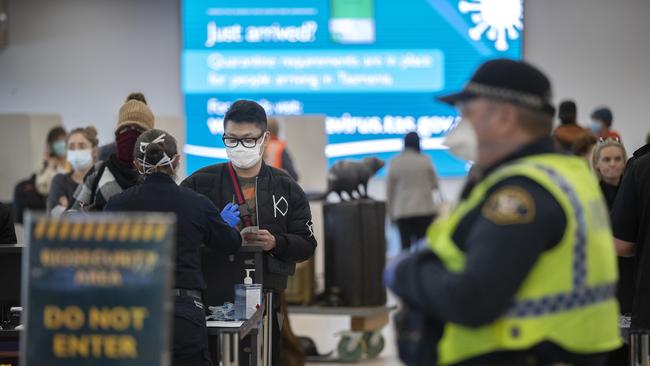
373 67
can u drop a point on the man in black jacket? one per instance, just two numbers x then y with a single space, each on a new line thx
267 198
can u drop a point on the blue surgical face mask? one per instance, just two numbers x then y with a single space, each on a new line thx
58 148
80 159
596 127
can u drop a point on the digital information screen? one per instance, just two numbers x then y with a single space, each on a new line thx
373 67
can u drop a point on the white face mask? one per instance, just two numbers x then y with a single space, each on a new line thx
462 141
80 159
244 157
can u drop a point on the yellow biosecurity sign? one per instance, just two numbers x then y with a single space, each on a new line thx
96 290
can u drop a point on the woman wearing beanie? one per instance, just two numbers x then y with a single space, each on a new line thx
118 173
81 153
409 191
198 222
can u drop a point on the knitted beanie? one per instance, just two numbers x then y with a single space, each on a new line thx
135 113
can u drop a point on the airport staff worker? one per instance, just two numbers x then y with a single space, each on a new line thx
523 271
197 222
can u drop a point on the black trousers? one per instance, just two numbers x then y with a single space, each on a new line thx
190 333
544 354
620 356
276 328
412 229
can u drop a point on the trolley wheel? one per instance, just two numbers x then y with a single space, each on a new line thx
374 343
349 349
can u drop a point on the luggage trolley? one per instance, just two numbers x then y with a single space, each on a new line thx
364 336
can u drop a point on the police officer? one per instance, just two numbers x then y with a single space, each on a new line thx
523 271
198 221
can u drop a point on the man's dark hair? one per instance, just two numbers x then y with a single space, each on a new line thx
412 141
604 115
56 133
246 111
567 112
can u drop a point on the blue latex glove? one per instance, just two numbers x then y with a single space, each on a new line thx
230 214
393 264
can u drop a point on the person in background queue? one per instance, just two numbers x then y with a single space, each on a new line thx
81 155
117 174
410 185
601 124
569 131
276 153
608 159
31 194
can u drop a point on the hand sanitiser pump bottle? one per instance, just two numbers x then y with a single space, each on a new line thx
248 297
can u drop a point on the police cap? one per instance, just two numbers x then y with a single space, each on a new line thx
511 81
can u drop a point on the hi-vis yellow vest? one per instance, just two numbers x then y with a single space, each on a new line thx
568 297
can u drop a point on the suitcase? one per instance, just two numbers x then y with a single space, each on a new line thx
355 252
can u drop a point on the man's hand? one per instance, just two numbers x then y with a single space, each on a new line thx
624 248
63 201
262 238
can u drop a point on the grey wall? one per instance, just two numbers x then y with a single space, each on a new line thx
19 157
596 52
81 58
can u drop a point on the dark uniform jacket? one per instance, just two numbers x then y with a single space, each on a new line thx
7 231
283 210
502 256
197 222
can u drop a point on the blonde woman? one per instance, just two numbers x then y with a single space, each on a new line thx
608 159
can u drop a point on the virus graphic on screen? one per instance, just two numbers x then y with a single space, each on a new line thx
500 20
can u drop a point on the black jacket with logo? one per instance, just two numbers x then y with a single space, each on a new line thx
283 210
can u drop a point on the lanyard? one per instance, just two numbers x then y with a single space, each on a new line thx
240 197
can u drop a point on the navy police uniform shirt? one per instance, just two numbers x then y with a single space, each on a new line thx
503 236
197 222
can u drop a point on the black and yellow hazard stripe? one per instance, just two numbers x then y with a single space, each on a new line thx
110 230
